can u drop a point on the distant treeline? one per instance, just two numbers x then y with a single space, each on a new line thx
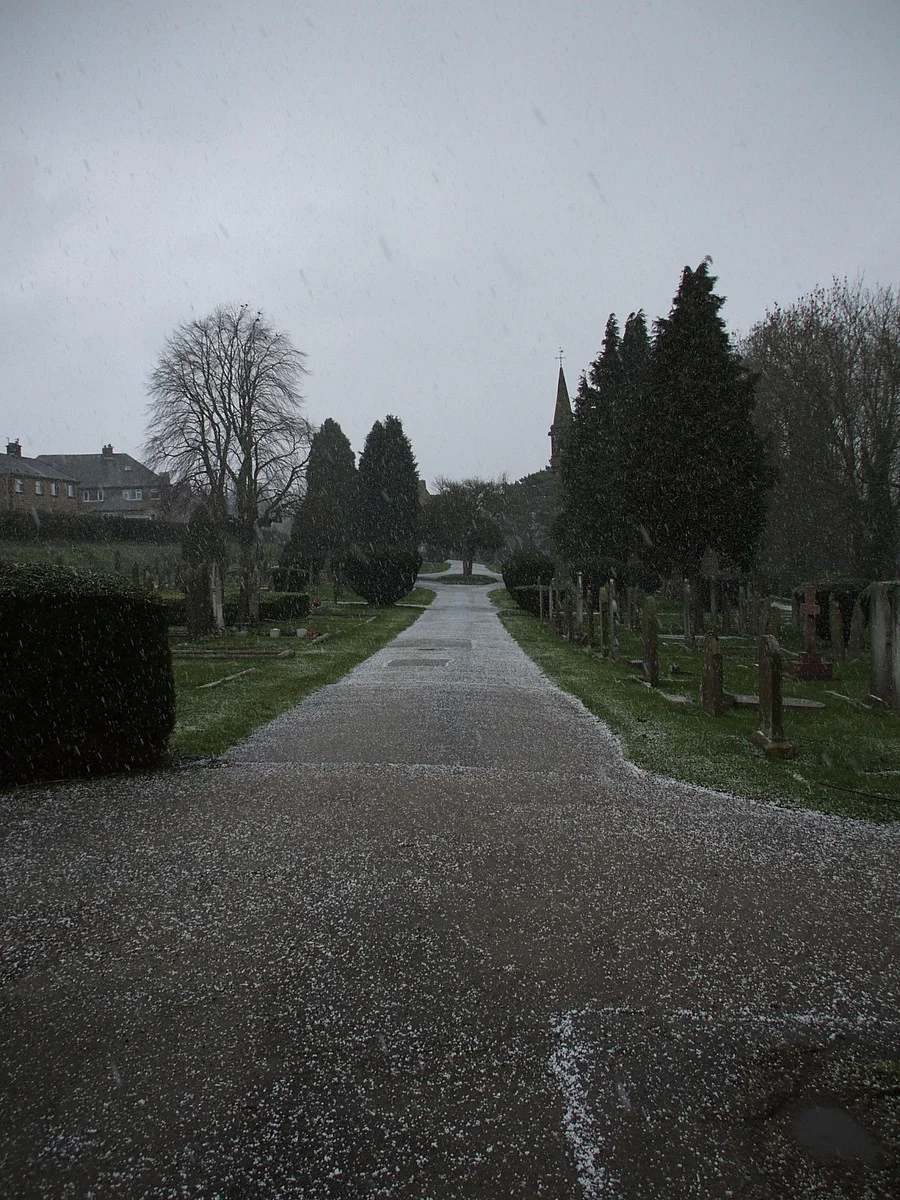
59 527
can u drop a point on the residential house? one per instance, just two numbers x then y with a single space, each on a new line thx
111 483
27 484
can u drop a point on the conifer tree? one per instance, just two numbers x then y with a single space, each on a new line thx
323 527
697 472
388 496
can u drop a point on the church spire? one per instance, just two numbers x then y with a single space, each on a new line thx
562 420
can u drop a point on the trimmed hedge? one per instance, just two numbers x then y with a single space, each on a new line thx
384 576
86 681
273 606
523 573
60 527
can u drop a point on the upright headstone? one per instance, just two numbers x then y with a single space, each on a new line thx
857 642
880 646
714 601
569 615
603 614
810 665
590 617
712 694
770 735
688 615
836 627
215 598
629 610
650 636
613 622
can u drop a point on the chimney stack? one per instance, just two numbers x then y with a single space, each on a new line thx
107 451
14 449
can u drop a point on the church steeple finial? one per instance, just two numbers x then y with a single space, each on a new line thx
562 417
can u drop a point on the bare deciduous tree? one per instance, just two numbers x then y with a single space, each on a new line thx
829 400
225 417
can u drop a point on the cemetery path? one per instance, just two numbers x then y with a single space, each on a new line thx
429 935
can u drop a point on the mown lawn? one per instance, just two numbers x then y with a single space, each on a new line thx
209 720
847 755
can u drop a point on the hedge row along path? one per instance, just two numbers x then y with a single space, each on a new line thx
429 935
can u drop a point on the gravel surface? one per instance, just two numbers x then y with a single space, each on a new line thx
429 935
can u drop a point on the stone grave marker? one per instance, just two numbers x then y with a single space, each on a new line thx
836 627
880 647
773 621
216 597
810 664
603 614
770 734
714 700
650 635
613 622
857 642
726 612
629 607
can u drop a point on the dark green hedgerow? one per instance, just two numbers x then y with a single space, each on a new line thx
39 526
85 674
383 576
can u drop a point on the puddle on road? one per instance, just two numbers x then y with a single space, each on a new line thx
830 1132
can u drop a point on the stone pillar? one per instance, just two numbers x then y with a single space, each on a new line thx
650 635
836 628
880 646
770 735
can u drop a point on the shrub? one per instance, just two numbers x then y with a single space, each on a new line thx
85 674
273 606
37 526
384 576
523 574
290 578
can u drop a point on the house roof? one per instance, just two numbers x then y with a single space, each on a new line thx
30 468
104 470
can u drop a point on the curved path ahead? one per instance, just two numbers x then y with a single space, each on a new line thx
428 935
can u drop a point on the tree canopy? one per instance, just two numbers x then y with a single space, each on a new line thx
464 517
323 529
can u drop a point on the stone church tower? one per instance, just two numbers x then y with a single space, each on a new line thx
561 429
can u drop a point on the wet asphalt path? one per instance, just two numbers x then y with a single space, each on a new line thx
427 935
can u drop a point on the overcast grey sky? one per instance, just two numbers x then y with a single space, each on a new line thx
429 198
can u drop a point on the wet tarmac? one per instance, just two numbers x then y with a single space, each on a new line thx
428 935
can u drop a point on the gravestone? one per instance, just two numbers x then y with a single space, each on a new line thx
569 615
613 622
836 626
590 618
215 598
687 615
713 698
810 664
880 646
650 636
629 607
770 735
726 612
857 642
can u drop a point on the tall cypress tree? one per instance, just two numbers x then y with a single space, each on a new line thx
323 527
388 496
697 472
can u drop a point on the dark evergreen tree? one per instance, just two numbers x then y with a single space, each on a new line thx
697 471
388 496
323 527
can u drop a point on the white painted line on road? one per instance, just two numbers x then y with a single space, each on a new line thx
580 1128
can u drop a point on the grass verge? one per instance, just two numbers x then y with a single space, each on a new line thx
433 568
209 720
847 756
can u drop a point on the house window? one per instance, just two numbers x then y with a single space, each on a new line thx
132 493
20 486
154 493
90 495
39 487
70 490
54 489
